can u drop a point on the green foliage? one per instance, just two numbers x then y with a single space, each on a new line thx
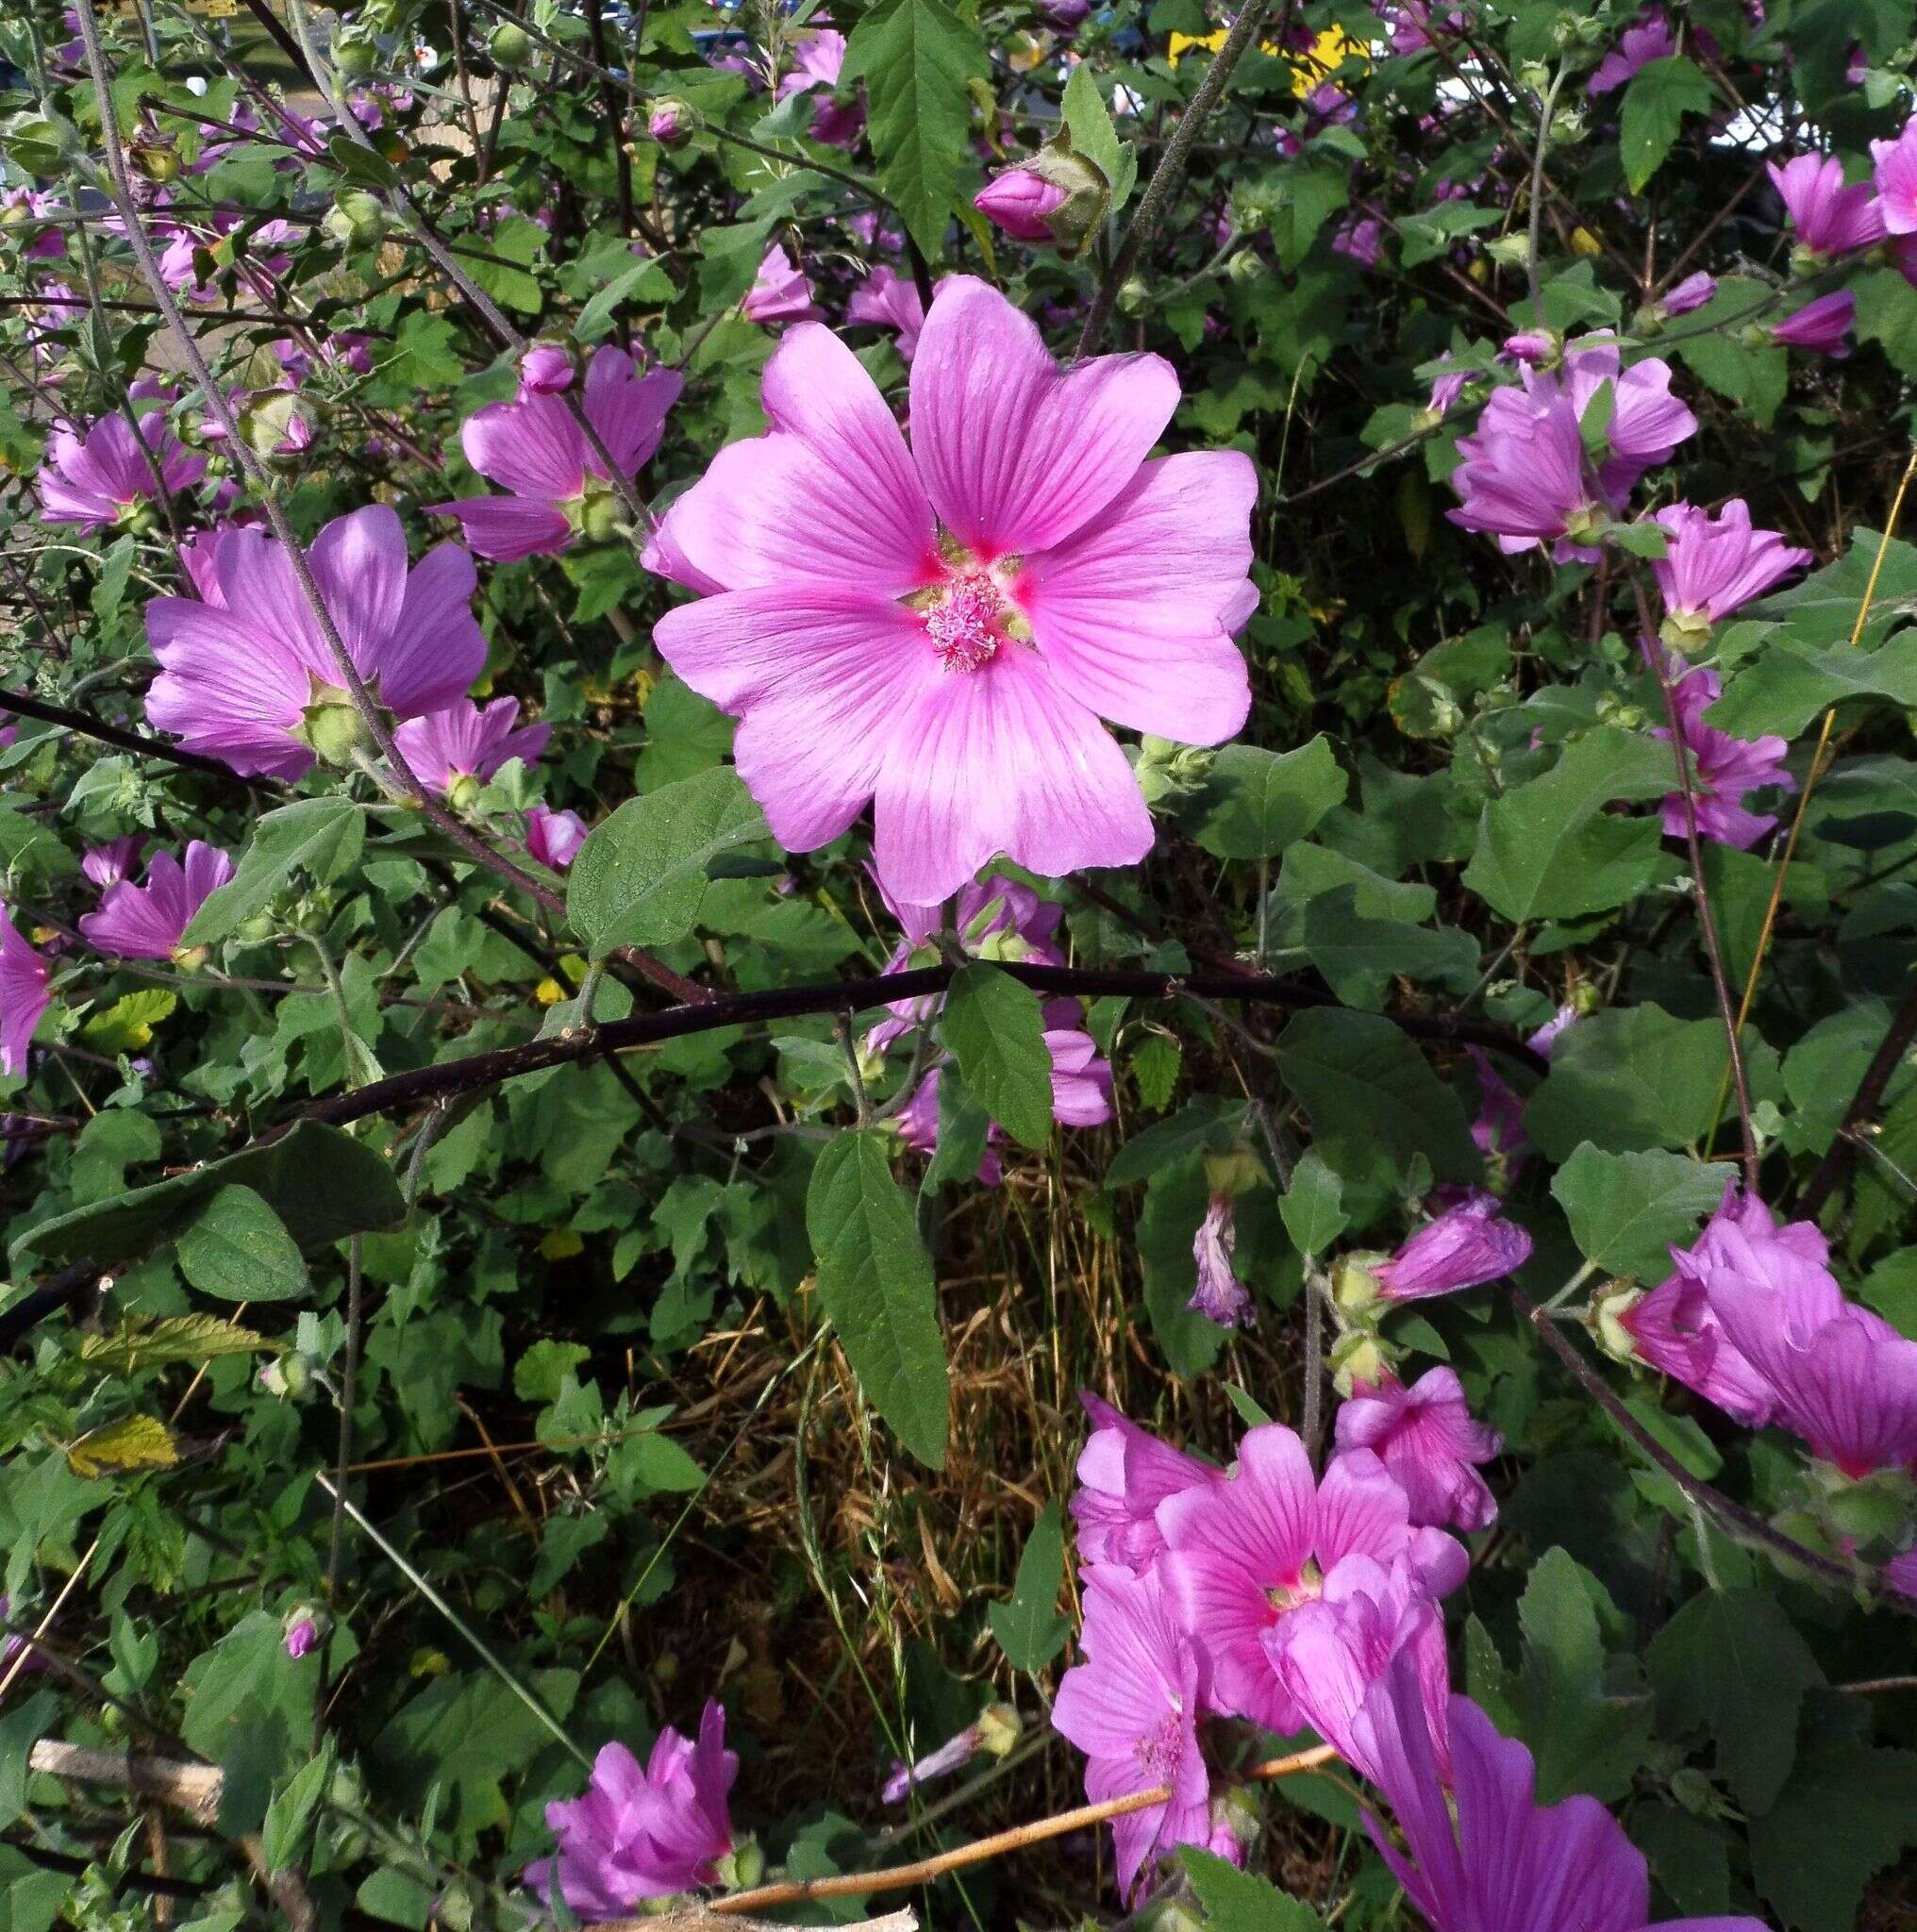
996 1030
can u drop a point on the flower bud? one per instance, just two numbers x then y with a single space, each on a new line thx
545 370
742 1867
1058 196
998 1728
356 53
1354 1287
303 1628
356 220
331 728
1687 631
1244 266
1535 75
289 1377
1540 348
669 121
510 46
1134 295
462 794
1021 203
600 517
1691 1789
1609 1306
1357 1358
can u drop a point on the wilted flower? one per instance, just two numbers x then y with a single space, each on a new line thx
1220 1296
145 922
456 749
1426 1436
643 1832
1125 1472
1132 1708
780 292
1723 769
818 58
1464 1246
944 628
23 996
1244 1549
1830 219
554 837
100 477
1693 291
246 675
1501 1862
1712 567
890 300
1821 327
534 447
996 1731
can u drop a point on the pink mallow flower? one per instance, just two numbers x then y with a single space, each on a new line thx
643 1832
1463 1247
1125 1472
890 300
554 837
145 922
108 864
1723 769
1132 1708
1692 292
1844 1378
99 478
940 629
1478 1853
1673 1327
1220 1296
1329 1651
1895 177
23 996
1017 201
1830 219
1650 40
1713 566
780 292
457 749
1821 328
534 447
1363 239
1426 1438
818 58
1247 1548
246 677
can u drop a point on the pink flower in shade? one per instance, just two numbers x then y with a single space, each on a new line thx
1463 1247
145 922
1132 1708
1693 291
1447 388
1675 1330
1650 40
1502 1862
456 749
94 478
918 1126
1245 1549
1426 1436
1220 1296
890 300
1844 1379
817 58
1125 1472
1329 1652
545 370
1362 239
1712 567
1547 1036
1082 1079
23 996
781 292
554 837
1020 203
535 448
1830 219
942 629
1821 328
643 1832
1499 1129
108 864
1895 177
1723 769
245 662
1900 1572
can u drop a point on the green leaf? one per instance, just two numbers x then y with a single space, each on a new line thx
1547 850
876 1283
173 1338
1587 1733
322 836
1311 1208
1209 1124
996 1028
538 1373
642 878
238 1249
289 1817
1236 1901
1372 1097
323 1184
1360 957
1660 93
1255 803
127 1025
502 270
134 1442
1783 687
1730 1663
1029 1629
1095 137
918 56
642 281
1626 1210
425 354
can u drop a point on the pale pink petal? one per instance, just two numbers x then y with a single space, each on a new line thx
435 648
505 529
533 447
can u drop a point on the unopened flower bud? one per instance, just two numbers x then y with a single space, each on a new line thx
289 1377
742 1867
510 46
1354 1286
545 370
1535 75
1244 266
1134 295
1021 203
331 728
304 1627
1358 1358
356 220
1609 1306
1058 196
669 121
1540 348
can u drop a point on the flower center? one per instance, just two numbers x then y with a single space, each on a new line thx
1161 1748
965 625
1288 1596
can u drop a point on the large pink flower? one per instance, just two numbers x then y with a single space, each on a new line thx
450 749
1427 1438
534 448
1713 566
145 922
23 997
939 629
1125 1472
1830 218
96 477
1723 770
244 663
